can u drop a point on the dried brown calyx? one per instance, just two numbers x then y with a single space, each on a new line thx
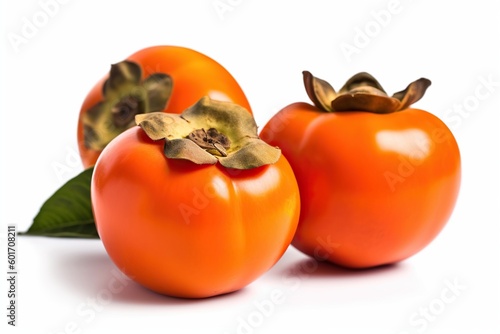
125 95
362 92
209 132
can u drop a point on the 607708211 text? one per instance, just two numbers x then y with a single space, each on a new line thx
11 275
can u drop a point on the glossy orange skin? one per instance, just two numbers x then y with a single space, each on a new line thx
375 188
190 230
194 75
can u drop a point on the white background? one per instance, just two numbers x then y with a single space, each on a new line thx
265 45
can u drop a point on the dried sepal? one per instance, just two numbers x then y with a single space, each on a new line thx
319 91
158 88
362 92
252 153
124 96
412 93
363 82
209 132
188 150
361 101
125 72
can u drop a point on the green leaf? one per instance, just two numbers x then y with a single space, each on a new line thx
68 212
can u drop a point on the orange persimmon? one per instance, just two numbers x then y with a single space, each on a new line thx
378 180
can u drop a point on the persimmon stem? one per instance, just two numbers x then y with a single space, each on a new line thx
211 140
